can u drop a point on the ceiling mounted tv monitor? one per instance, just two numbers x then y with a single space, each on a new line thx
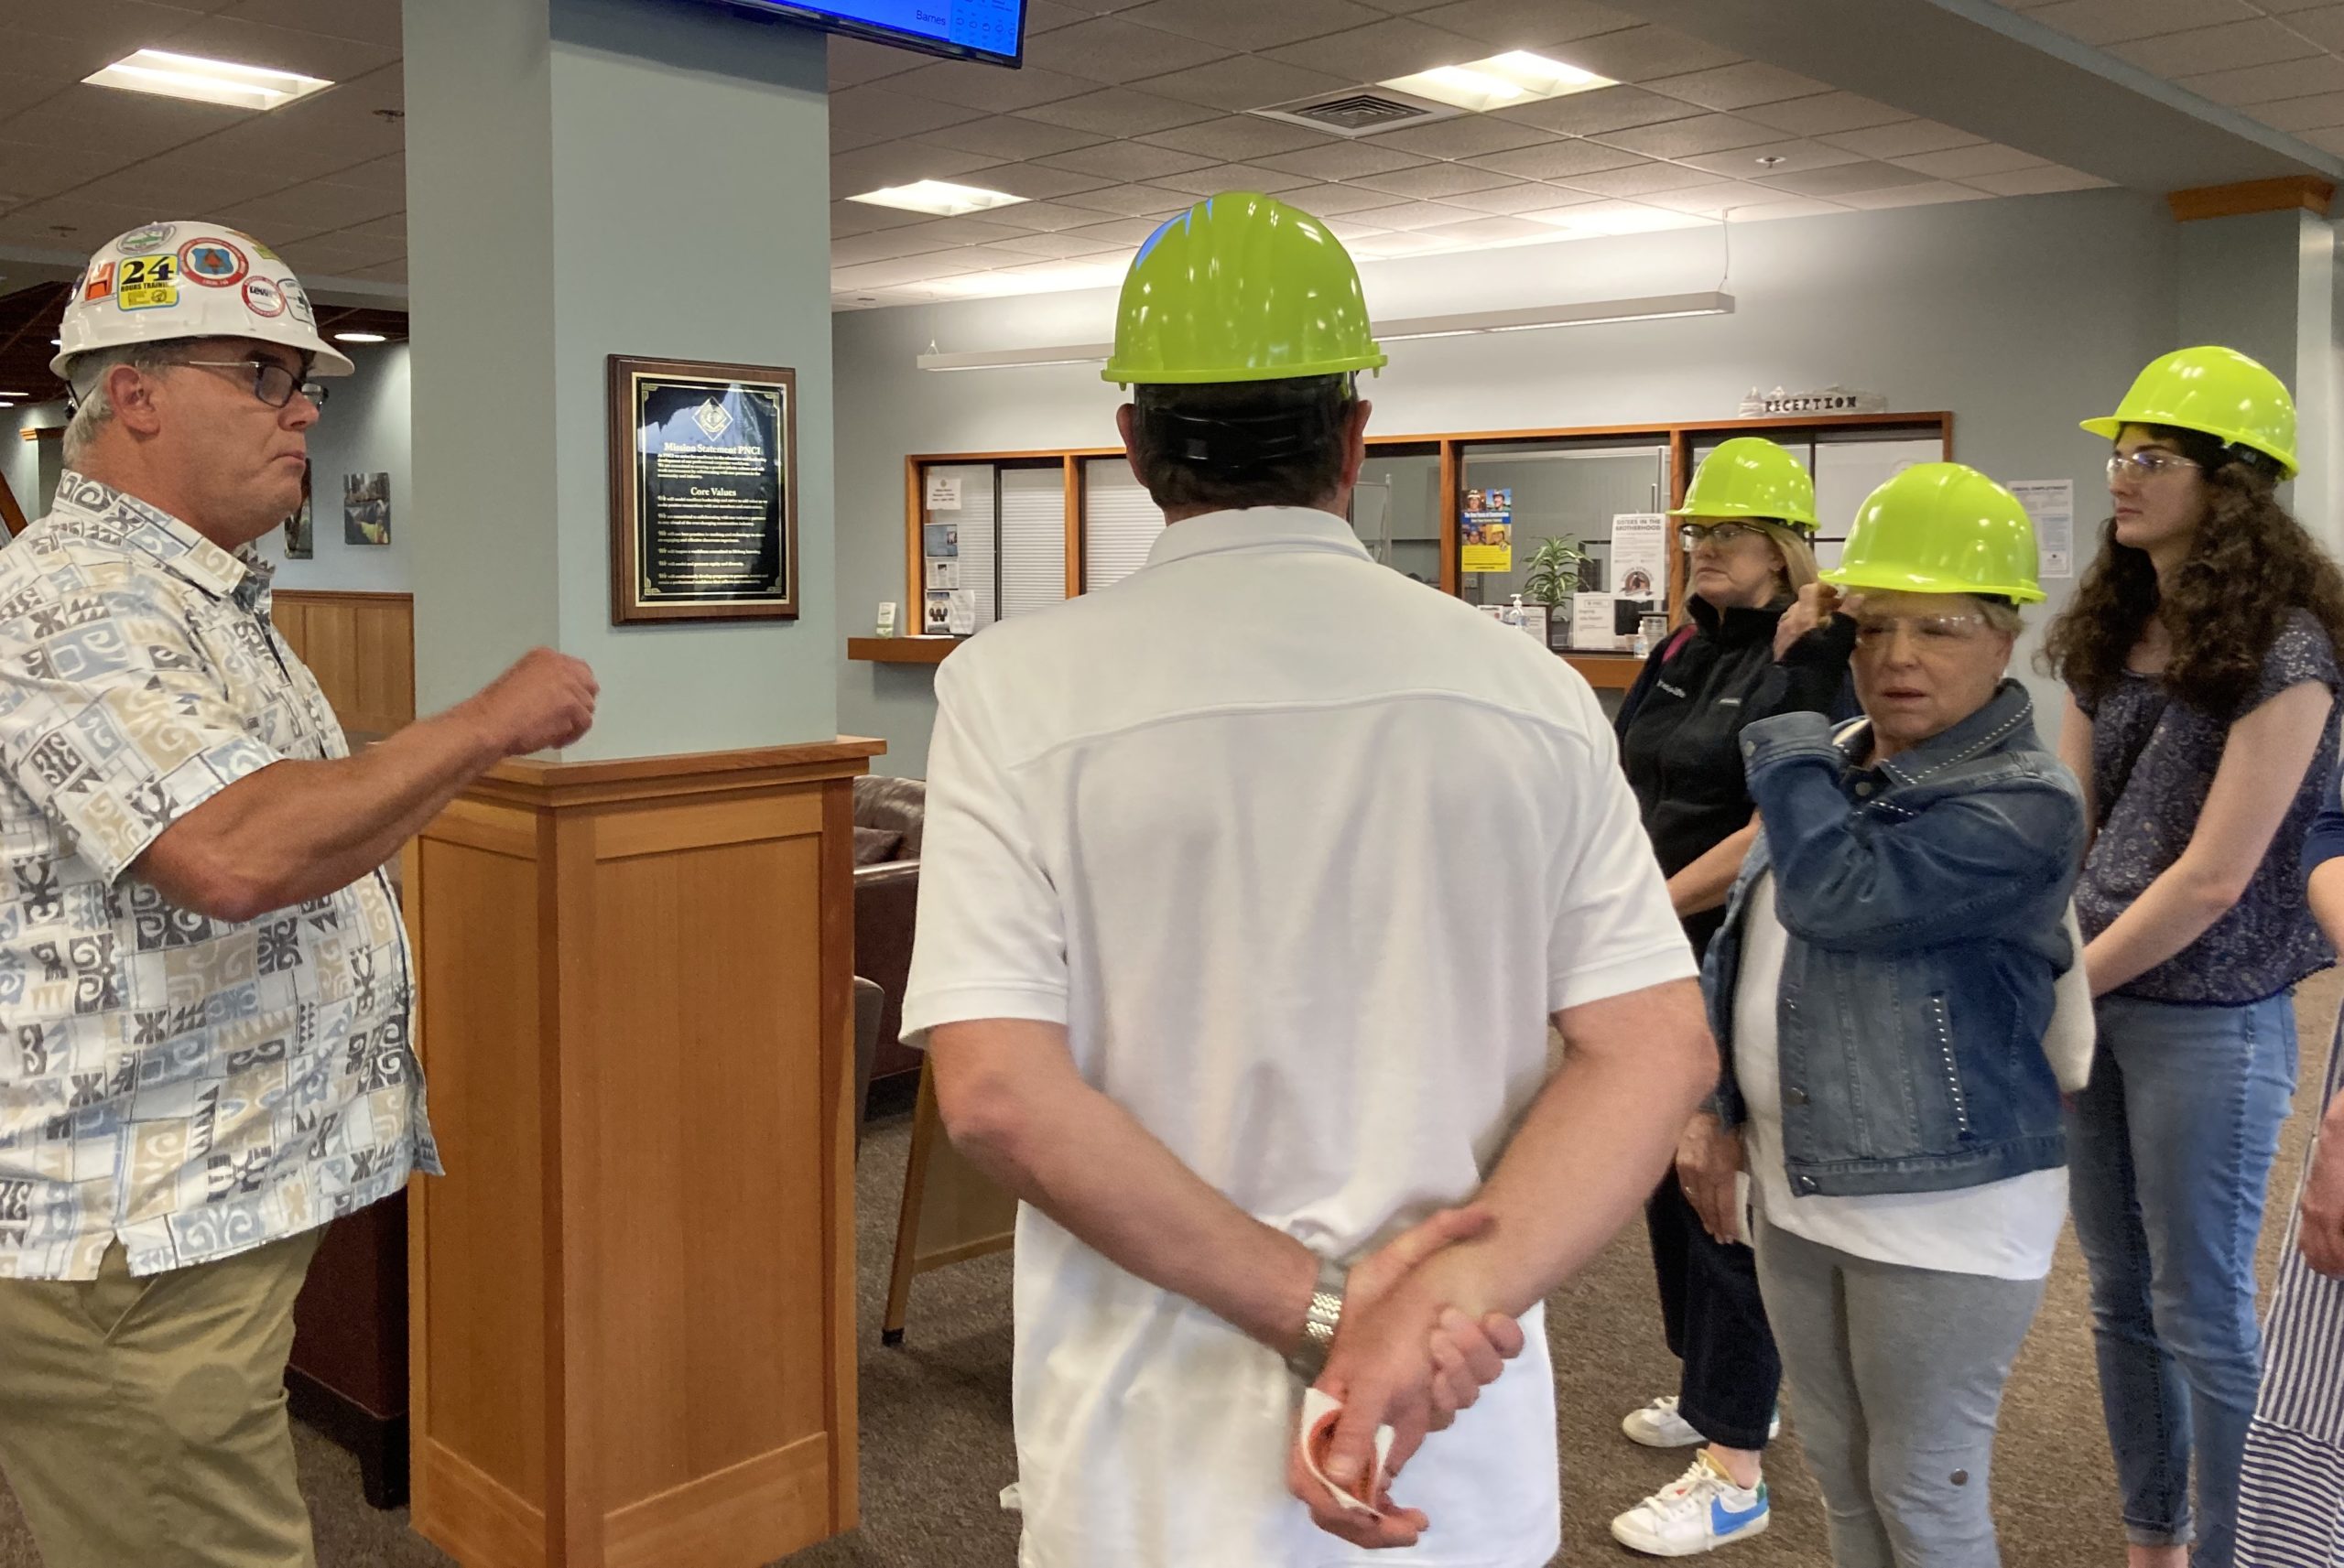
989 31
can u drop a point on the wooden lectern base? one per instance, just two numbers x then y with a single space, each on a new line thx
633 1295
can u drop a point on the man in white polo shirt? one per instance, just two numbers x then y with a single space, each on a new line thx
1248 888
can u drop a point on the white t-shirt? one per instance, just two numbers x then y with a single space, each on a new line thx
1303 854
2006 1229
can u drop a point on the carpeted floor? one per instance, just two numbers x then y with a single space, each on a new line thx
936 1448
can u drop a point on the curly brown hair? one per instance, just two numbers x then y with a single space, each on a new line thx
2250 566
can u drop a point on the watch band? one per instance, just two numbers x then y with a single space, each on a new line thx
1308 1357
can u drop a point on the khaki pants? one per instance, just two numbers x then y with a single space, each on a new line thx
142 1421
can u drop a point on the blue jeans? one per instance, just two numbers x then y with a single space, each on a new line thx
2170 1152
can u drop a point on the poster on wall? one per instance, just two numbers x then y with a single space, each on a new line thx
703 490
365 509
300 529
1487 531
2051 505
940 541
1640 555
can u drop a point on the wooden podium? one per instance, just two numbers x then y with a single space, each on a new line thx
633 1295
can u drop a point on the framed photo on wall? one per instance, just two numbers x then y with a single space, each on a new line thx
703 490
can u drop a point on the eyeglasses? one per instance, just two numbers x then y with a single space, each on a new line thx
272 382
1691 535
1928 631
2146 464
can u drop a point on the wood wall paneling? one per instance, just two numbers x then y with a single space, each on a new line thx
361 646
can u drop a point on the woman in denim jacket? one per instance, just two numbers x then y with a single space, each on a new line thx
1885 992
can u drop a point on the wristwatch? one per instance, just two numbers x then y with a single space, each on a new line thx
1308 1357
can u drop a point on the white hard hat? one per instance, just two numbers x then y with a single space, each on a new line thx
162 282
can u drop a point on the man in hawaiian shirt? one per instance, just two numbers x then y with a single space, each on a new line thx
205 990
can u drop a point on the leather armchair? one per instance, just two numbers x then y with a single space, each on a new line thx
886 900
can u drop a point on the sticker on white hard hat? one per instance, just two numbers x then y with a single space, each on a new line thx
263 297
99 285
213 262
153 237
147 283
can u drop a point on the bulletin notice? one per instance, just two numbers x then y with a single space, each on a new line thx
703 490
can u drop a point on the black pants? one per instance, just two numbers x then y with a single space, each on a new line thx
1716 1324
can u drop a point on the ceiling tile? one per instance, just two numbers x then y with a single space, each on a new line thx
1233 177
855 60
1110 49
1341 160
1743 163
1054 246
380 174
856 249
968 229
2314 112
1352 230
1382 246
908 269
1233 138
857 110
1846 178
1397 46
1930 194
1825 116
1034 182
2119 21
1523 197
287 216
2037 181
176 187
132 119
1639 179
1682 138
279 49
1640 54
1042 15
1124 160
369 21
1120 233
1907 138
1132 200
1410 215
2329 139
1722 197
1046 217
2323 25
990 87
1605 108
27 171
861 218
1541 25
1119 112
2252 85
1249 25
1334 200
1434 179
1464 137
1557 160
1738 86
1967 163
898 163
1490 230
1247 81
1010 137
2231 46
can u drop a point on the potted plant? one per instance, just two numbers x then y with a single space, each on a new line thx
1552 574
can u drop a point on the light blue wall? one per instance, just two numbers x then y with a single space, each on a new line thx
366 428
20 458
2020 316
589 177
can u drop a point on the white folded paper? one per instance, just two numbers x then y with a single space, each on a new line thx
1319 1413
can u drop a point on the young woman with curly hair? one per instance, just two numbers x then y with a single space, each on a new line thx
2200 659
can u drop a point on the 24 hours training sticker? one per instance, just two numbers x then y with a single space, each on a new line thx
147 283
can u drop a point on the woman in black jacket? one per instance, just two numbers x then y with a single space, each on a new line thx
1749 517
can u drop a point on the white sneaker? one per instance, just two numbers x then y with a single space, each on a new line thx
1699 1512
1657 1425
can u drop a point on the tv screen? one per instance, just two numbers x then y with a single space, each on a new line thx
990 30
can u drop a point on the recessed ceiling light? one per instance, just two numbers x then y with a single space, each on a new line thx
207 80
360 338
940 197
1500 82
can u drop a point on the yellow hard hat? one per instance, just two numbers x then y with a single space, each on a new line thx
1941 528
1241 287
1752 477
2217 391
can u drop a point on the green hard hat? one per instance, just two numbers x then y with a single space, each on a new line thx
2215 391
1752 477
1241 287
1941 528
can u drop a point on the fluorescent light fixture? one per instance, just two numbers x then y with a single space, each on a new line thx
15 395
1501 82
1588 313
360 338
207 80
940 197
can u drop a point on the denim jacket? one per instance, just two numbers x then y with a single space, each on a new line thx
1925 904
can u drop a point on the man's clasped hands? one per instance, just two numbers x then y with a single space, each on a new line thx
1407 1356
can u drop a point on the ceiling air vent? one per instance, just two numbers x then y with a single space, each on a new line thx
1359 111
